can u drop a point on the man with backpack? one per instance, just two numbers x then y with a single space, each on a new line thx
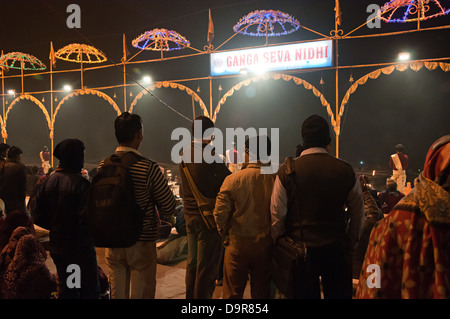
122 212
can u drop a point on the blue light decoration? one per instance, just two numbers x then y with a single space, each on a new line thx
160 40
267 23
401 11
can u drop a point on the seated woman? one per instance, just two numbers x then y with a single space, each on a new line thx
27 276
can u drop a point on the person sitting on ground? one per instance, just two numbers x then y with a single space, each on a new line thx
27 276
389 197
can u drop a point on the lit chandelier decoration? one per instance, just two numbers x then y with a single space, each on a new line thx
21 61
267 23
160 40
412 10
80 53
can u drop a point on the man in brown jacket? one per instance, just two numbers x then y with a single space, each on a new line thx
242 214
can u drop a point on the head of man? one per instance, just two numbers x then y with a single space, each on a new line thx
399 148
15 154
391 185
129 130
316 133
257 148
3 150
70 153
200 126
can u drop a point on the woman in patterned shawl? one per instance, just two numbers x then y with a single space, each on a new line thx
411 245
27 276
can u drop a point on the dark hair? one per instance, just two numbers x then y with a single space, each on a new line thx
14 152
126 126
256 140
206 123
3 149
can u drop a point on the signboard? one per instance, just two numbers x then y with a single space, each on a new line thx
315 54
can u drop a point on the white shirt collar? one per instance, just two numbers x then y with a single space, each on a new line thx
314 150
127 149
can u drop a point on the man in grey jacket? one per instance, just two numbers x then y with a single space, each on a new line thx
330 210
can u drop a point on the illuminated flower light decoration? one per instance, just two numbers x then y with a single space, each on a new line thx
80 53
412 10
266 23
160 40
19 60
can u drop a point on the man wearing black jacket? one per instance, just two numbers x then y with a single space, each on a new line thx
61 208
205 246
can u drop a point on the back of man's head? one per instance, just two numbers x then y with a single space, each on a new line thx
254 147
315 132
126 127
14 152
3 149
205 122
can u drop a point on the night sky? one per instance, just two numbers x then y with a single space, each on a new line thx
408 107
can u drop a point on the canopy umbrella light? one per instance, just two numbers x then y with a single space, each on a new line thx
160 40
267 23
401 11
21 61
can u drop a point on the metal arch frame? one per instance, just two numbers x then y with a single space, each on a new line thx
414 65
25 96
173 85
277 76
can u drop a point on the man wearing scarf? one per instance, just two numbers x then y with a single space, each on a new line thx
411 245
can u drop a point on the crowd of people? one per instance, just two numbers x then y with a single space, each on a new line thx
235 215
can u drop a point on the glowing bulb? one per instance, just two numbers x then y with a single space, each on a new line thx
67 88
147 79
404 56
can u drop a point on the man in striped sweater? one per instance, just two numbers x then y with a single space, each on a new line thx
133 269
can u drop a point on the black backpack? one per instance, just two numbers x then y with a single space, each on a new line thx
114 218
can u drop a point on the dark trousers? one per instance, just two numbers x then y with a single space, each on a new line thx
205 249
333 264
239 265
89 282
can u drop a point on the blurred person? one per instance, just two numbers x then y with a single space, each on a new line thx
44 155
411 244
233 159
27 276
13 181
133 269
372 214
390 196
399 162
60 207
205 248
14 219
324 186
3 151
242 215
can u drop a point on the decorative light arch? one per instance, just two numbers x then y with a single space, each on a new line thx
171 85
416 66
83 92
278 76
25 96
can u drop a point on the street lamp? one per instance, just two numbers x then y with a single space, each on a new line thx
67 88
404 56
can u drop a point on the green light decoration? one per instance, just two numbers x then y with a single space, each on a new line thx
21 61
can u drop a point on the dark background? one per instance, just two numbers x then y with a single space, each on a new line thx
408 107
